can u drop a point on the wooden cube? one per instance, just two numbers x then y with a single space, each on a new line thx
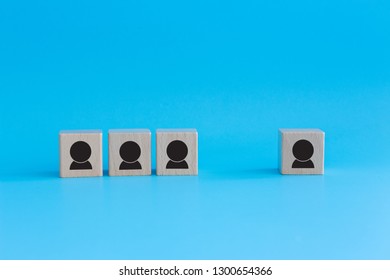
177 152
301 151
129 152
81 153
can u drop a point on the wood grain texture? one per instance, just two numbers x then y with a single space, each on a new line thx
117 138
94 139
288 138
164 138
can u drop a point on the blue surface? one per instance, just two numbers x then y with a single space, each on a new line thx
236 71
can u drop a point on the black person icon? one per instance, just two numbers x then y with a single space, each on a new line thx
130 153
303 151
80 153
177 152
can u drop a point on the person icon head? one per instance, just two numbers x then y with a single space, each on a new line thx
303 150
177 152
130 152
80 153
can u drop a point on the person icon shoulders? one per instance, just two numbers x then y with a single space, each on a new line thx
303 150
177 165
130 152
177 151
130 166
80 153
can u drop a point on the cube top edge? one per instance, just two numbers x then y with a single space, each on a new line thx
176 130
84 131
300 130
129 130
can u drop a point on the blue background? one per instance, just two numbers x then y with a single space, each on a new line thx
236 71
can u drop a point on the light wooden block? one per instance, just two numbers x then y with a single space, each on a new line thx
129 152
301 151
177 152
81 153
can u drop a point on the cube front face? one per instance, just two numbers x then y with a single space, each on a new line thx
177 152
302 151
81 154
129 152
